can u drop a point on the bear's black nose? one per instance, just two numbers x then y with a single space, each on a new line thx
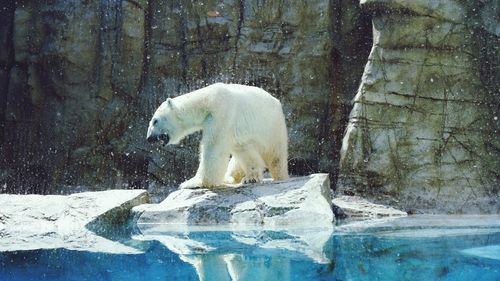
152 138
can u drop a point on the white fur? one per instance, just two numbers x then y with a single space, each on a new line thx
242 121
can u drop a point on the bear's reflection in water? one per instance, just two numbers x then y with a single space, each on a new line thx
247 255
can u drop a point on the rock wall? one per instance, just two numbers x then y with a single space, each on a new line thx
423 133
76 72
79 81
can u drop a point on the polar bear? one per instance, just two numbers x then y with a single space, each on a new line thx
243 132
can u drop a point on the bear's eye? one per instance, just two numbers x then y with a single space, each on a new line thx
155 122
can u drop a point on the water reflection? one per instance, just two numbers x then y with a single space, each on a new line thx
248 254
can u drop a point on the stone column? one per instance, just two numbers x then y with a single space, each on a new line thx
423 132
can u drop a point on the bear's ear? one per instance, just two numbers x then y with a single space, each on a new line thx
170 103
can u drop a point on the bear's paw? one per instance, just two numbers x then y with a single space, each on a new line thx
193 183
249 180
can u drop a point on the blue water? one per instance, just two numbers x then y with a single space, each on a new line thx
398 253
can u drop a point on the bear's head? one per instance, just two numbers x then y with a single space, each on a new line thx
166 124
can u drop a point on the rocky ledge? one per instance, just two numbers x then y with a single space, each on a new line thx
358 208
295 202
29 222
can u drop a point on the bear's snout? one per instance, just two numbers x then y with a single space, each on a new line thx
154 138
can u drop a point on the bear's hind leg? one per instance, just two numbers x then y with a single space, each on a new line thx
234 172
278 165
252 164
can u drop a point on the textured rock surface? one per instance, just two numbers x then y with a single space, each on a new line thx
357 207
29 222
423 133
287 203
79 81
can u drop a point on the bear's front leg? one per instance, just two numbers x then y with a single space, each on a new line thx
194 182
214 159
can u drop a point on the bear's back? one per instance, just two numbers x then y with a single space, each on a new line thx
254 114
245 96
